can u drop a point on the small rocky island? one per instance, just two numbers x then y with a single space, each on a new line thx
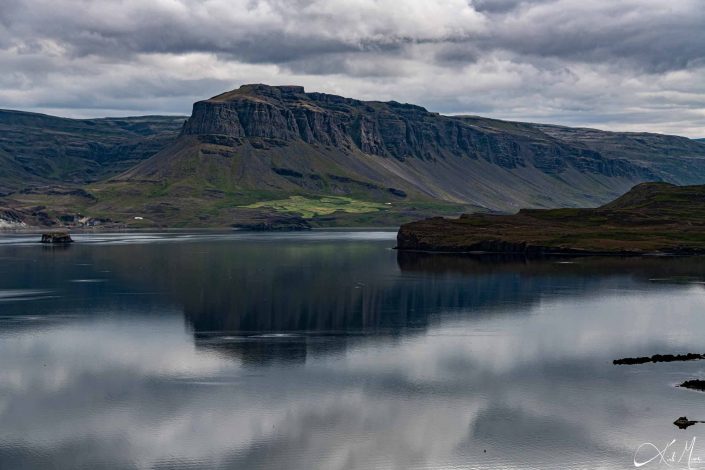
694 384
684 423
650 218
60 238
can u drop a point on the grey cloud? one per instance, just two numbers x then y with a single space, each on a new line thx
568 61
628 35
657 39
457 53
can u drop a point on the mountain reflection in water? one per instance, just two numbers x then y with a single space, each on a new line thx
331 350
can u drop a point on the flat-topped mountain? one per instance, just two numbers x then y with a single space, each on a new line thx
262 151
260 145
651 218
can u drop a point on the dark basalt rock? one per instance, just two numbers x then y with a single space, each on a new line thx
56 238
694 384
683 422
658 358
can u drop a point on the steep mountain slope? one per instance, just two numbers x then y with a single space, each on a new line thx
51 149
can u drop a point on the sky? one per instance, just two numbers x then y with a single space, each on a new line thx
632 65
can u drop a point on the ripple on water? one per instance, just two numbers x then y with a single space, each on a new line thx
13 295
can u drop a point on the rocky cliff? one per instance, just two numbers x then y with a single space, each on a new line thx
393 130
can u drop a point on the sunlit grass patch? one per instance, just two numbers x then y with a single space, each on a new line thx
311 207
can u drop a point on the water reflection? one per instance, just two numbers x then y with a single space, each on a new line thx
287 352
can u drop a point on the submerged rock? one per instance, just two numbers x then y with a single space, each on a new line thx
56 237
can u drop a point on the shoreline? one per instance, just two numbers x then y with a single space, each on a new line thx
551 253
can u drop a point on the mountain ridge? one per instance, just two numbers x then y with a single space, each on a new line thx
246 152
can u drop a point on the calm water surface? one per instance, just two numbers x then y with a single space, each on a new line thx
331 350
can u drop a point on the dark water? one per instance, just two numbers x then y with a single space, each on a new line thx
330 350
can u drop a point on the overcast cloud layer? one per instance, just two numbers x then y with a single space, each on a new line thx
619 65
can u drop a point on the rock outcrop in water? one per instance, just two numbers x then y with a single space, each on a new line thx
60 238
684 423
694 384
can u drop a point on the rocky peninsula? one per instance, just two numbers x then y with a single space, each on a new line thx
652 218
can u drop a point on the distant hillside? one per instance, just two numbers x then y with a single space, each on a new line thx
652 217
261 151
14 175
36 148
674 159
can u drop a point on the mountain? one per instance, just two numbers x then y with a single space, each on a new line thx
651 218
261 143
674 159
258 151
37 149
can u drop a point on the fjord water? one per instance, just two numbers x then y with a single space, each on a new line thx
331 350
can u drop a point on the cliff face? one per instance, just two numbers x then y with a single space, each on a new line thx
389 130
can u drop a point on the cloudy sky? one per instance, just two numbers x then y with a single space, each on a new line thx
619 65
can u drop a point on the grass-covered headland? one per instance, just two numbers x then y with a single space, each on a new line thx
651 218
